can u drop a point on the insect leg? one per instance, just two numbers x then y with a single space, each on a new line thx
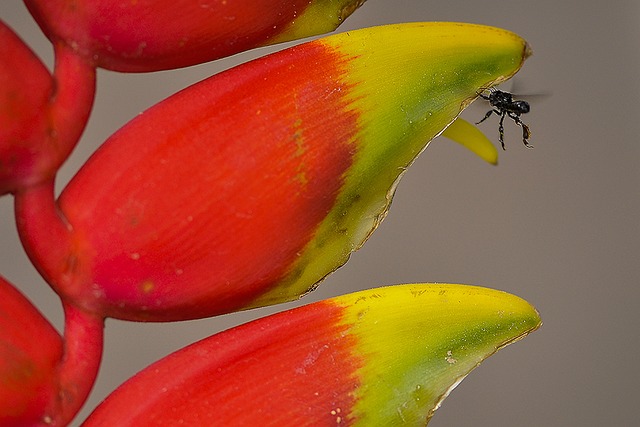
486 116
501 128
526 133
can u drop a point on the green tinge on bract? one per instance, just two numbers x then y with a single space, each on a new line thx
408 82
419 341
319 17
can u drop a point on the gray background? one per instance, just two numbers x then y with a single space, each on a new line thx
557 225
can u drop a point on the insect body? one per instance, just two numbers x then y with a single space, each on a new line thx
504 105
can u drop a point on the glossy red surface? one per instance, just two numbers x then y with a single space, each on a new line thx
193 209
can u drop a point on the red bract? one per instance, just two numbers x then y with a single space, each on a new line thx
149 35
30 352
41 116
201 217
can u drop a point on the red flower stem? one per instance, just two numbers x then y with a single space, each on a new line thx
46 236
47 239
72 98
83 344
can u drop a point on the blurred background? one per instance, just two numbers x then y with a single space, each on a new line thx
557 225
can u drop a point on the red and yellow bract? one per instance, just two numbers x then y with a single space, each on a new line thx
385 356
248 188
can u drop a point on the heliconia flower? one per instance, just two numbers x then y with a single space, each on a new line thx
41 116
380 357
248 188
30 351
151 35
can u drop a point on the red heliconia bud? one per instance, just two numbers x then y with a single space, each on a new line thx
150 35
41 116
30 351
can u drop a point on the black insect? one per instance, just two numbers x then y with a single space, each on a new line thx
504 105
